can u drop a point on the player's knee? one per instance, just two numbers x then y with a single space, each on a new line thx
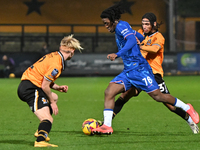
55 97
106 92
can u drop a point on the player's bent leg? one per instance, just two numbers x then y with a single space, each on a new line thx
111 91
44 128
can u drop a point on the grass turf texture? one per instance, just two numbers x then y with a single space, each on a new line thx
142 124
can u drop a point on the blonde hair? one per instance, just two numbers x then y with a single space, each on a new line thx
71 42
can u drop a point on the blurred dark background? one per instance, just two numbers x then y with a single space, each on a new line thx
31 28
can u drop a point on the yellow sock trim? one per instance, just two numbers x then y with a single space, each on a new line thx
43 131
42 136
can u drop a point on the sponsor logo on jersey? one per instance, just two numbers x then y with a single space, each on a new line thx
54 72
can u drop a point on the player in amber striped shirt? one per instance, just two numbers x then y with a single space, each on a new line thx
152 48
37 82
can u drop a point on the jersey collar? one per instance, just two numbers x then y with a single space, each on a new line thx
63 62
150 34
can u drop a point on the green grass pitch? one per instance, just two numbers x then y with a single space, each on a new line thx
143 124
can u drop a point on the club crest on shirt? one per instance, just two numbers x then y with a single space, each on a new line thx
54 72
149 42
44 101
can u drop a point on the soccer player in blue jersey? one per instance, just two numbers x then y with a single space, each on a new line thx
152 49
137 72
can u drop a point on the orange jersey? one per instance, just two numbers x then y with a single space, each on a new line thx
154 59
49 67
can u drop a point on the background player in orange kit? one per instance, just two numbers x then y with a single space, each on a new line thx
37 82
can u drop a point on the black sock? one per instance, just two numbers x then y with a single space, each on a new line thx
181 113
119 103
51 111
43 130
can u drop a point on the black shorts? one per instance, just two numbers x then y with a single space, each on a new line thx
33 95
161 84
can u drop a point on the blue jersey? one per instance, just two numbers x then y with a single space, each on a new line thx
137 72
130 53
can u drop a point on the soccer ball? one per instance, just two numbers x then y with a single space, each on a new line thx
88 125
12 75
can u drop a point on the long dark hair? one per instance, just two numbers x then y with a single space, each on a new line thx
152 18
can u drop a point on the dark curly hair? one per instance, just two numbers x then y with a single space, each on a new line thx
114 12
